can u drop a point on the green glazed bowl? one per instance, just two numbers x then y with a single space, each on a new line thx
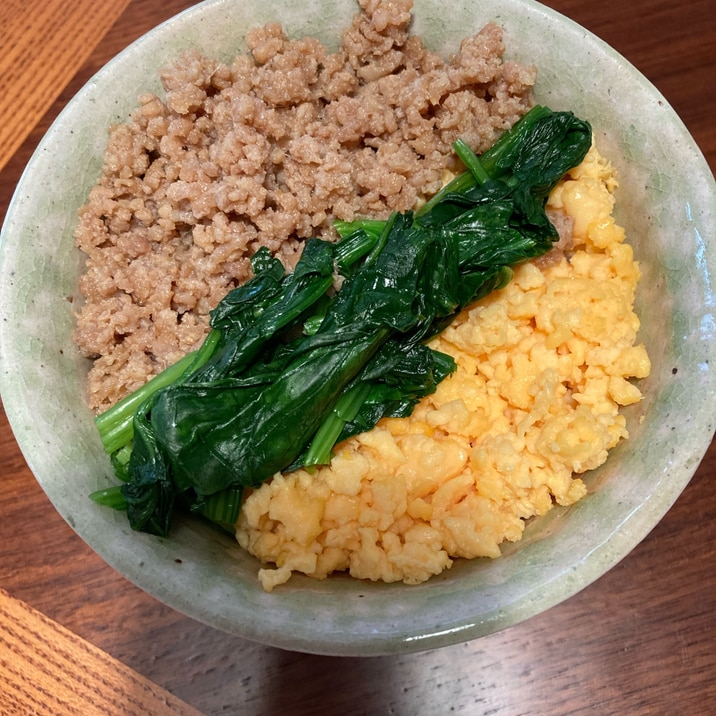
666 201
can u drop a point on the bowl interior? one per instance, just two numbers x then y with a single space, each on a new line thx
666 202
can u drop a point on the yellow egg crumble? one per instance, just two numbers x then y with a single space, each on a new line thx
543 368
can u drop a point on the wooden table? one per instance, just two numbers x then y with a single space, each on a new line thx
641 640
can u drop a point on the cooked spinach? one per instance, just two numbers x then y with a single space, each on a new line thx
292 366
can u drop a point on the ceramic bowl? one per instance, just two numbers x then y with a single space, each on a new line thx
666 202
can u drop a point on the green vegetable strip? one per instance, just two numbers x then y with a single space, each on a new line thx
290 368
371 227
319 452
354 247
110 497
223 507
470 160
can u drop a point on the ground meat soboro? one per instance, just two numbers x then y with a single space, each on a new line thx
268 151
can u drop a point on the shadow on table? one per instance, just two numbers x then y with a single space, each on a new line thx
348 686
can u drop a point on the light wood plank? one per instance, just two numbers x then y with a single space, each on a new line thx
42 45
46 669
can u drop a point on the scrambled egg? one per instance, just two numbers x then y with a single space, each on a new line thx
543 368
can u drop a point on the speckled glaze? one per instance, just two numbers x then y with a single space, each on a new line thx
667 203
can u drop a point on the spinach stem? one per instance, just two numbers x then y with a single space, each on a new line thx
471 161
380 244
373 227
110 497
358 241
319 451
223 508
459 185
115 425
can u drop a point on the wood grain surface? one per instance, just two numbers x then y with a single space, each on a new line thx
46 669
43 44
641 640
